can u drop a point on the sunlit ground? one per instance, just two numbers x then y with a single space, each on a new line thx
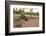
33 21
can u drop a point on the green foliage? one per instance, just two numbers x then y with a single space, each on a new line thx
22 12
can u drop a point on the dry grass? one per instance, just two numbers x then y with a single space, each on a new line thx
33 21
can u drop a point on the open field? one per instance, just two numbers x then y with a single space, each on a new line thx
28 16
25 17
33 21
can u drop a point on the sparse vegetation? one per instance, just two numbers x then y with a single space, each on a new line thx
21 15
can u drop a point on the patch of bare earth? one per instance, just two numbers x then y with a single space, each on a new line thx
29 23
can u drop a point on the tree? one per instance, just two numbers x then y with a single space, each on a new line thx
14 10
31 11
37 13
21 11
22 14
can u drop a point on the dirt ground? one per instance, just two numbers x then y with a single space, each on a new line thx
29 23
